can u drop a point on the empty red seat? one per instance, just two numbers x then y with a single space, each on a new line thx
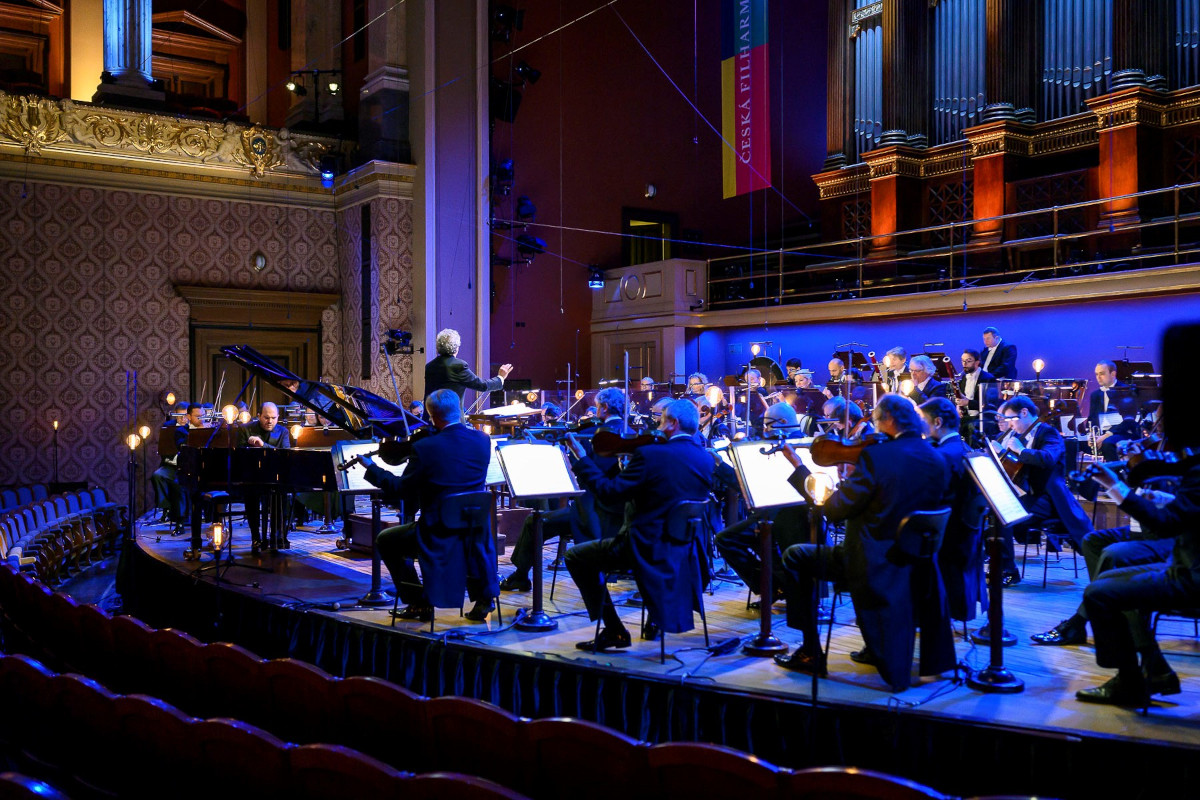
453 786
476 738
234 684
319 771
14 786
852 783
134 641
383 720
86 731
301 700
180 670
240 755
158 743
563 749
695 770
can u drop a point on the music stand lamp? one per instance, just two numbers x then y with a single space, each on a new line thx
132 441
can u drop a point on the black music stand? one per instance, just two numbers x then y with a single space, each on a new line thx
1006 511
352 481
536 471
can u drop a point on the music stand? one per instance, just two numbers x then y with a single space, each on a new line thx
536 471
353 480
1006 511
764 482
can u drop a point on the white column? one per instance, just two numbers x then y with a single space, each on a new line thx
127 50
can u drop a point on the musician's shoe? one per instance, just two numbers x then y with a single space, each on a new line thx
515 583
418 613
803 661
1163 683
1010 578
1118 691
650 631
481 610
865 656
608 639
1072 630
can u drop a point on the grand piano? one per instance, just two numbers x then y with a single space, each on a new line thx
211 461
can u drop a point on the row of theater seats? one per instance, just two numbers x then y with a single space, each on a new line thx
295 702
77 733
55 537
21 496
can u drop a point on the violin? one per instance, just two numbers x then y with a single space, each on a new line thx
830 449
391 451
606 443
556 433
1141 467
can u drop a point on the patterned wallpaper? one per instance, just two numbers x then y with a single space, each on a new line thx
87 278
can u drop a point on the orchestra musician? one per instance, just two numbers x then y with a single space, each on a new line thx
973 374
657 477
697 383
753 397
925 385
792 366
168 494
1103 401
838 374
999 357
1039 448
894 374
262 432
892 479
455 459
646 384
860 424
961 558
447 371
803 379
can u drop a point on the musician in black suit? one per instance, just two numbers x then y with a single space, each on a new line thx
168 494
583 518
447 371
961 556
891 480
972 376
453 460
999 357
658 477
262 432
1103 401
1039 448
895 369
925 384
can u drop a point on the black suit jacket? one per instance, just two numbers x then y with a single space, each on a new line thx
657 477
278 437
961 556
450 372
934 388
1004 363
453 460
1045 467
973 400
1179 518
1096 407
892 479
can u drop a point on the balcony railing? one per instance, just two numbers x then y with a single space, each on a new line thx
1154 228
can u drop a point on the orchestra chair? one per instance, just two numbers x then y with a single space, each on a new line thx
851 783
138 670
157 743
563 749
696 770
236 754
472 736
1054 532
234 684
301 700
319 771
179 669
86 732
1186 614
15 786
451 786
381 719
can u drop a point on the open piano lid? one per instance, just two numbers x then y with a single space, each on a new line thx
365 414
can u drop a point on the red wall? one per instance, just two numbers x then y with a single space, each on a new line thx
604 121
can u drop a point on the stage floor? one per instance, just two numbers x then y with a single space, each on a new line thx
313 571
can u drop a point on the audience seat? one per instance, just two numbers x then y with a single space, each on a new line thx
382 720
565 748
851 783
15 786
694 770
242 756
320 771
308 722
476 737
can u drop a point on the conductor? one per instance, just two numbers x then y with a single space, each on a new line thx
448 371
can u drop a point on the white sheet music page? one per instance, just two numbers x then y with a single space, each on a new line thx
355 478
536 470
764 478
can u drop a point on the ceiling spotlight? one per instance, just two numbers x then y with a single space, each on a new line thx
296 88
502 177
595 278
334 87
506 19
527 73
525 208
530 246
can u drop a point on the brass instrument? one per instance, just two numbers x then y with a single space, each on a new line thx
876 368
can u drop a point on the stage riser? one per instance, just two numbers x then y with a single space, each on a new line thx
954 757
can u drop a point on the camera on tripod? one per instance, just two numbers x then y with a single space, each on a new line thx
397 342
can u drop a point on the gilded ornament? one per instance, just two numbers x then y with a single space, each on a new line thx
260 151
32 122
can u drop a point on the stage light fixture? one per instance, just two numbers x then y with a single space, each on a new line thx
295 431
525 208
1038 365
595 278
296 88
527 73
218 536
328 167
819 487
906 386
529 246
244 417
334 87
55 424
505 20
168 397
502 177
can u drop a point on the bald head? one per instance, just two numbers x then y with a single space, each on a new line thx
268 416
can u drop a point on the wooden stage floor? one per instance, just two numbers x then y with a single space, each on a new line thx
313 571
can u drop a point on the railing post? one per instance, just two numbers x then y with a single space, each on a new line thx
1176 193
1056 237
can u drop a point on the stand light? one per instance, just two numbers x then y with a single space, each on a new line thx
132 441
144 432
1038 366
55 424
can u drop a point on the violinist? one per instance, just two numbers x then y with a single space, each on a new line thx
582 519
860 424
1039 448
892 479
657 478
453 460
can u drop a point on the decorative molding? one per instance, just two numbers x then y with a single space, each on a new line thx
39 125
39 11
256 307
843 181
386 78
897 160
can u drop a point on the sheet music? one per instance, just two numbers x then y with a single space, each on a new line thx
495 475
355 478
537 471
1110 419
996 489
764 478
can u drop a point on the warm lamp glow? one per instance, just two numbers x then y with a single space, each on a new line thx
714 395
819 487
755 349
218 535
244 417
170 398
144 432
229 413
906 386
1038 365
295 431
55 424
133 440
1016 386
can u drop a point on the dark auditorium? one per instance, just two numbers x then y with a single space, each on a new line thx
526 399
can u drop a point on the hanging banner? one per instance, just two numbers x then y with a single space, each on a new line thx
745 97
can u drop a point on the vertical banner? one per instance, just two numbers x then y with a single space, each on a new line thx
745 99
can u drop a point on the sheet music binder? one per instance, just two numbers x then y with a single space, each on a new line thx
997 489
537 471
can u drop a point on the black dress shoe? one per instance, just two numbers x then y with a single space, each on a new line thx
1010 579
865 656
1069 631
650 631
418 613
606 640
515 583
803 661
481 610
1163 683
1117 692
